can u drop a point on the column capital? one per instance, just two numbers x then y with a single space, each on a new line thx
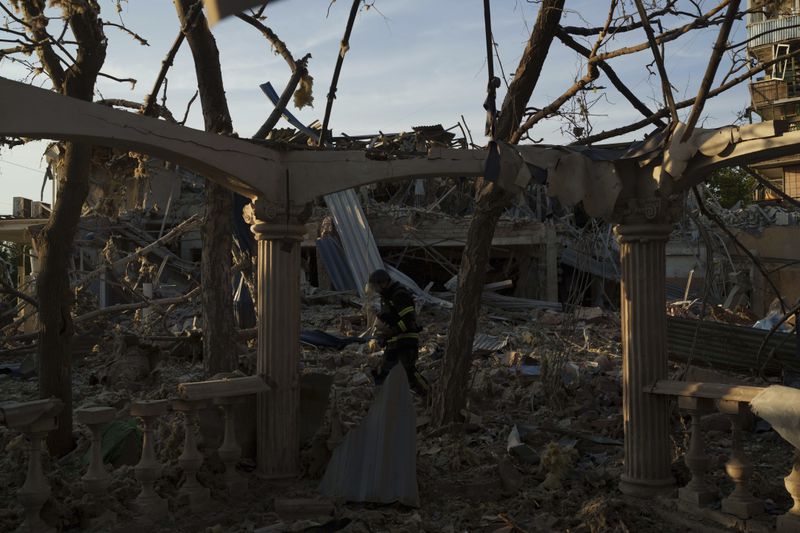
642 232
646 211
273 221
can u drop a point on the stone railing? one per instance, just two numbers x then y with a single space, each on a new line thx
36 418
739 509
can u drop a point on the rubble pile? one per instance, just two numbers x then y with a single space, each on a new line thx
756 216
522 459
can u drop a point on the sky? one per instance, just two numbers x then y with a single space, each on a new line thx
410 63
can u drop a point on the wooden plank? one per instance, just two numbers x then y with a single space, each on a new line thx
220 388
716 391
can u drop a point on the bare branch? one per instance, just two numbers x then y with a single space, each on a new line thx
662 113
189 107
591 75
344 47
586 32
166 63
272 37
711 69
529 68
610 73
662 71
158 110
703 21
33 10
133 34
120 308
14 17
120 80
8 289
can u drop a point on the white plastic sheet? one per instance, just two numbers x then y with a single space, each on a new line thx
780 406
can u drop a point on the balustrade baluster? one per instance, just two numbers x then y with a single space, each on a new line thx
35 420
790 522
698 491
150 504
36 491
191 459
96 480
740 502
230 452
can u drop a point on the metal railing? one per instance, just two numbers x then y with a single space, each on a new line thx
772 31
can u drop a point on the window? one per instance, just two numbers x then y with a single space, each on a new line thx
779 69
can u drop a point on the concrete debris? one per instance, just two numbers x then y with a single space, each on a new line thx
539 443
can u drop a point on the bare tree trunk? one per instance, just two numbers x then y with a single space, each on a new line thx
54 294
219 344
56 240
450 395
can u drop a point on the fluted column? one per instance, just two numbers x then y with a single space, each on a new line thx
279 234
644 360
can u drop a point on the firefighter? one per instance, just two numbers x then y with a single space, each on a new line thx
398 332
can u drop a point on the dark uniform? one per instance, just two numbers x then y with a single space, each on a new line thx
400 336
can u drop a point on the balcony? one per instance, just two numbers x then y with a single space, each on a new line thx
761 31
775 99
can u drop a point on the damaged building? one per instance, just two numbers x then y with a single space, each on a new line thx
634 364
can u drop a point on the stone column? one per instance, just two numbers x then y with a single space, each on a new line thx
279 234
644 332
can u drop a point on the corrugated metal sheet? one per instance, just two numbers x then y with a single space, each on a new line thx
488 344
773 31
335 263
512 303
728 346
607 269
359 246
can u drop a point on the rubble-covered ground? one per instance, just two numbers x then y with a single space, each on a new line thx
540 448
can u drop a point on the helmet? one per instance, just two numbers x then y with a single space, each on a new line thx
379 277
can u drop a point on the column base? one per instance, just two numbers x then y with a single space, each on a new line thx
646 488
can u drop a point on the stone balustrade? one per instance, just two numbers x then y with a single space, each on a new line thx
739 508
36 418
